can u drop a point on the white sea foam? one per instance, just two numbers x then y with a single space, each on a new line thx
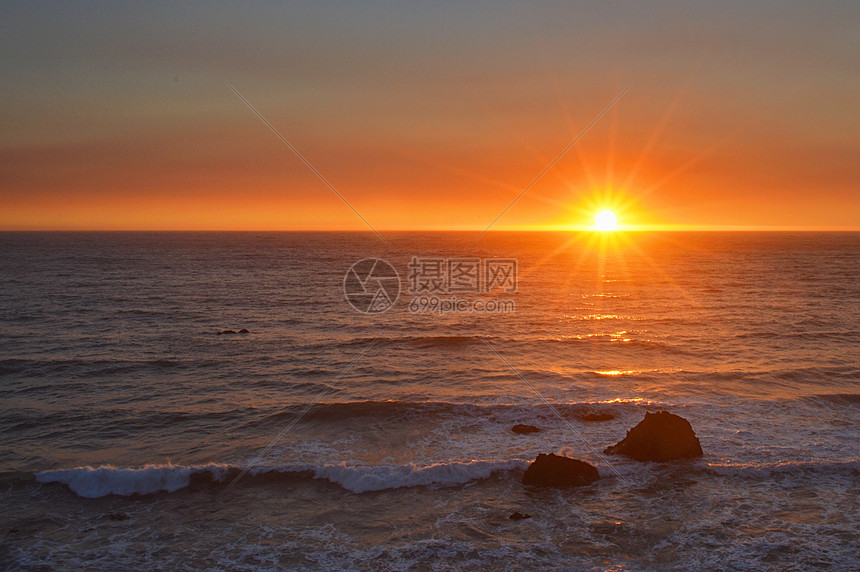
90 482
375 478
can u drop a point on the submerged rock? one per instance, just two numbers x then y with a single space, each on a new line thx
660 437
557 471
519 516
598 417
525 429
227 332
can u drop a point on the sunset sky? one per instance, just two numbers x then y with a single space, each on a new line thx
429 115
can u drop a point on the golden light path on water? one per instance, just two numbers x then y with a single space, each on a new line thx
604 256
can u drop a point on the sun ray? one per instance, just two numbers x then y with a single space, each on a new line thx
666 117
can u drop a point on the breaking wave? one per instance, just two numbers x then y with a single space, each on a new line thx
97 482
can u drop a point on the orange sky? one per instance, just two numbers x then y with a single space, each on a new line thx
429 117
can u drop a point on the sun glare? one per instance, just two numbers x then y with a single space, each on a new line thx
605 220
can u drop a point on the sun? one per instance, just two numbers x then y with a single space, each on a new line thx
605 220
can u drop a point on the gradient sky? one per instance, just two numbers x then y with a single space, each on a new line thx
429 115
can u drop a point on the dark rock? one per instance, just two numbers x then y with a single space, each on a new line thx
117 516
525 429
556 471
519 516
598 417
227 332
244 331
660 437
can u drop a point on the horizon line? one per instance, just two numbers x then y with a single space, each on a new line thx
650 228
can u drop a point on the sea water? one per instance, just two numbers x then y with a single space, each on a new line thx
136 436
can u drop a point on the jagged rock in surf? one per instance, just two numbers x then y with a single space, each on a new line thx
660 437
557 471
525 429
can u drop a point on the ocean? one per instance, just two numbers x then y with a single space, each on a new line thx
364 420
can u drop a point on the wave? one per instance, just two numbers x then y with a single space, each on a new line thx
836 399
119 417
819 335
97 482
89 482
462 341
328 415
849 469
106 480
790 377
94 367
421 342
505 412
377 478
68 368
